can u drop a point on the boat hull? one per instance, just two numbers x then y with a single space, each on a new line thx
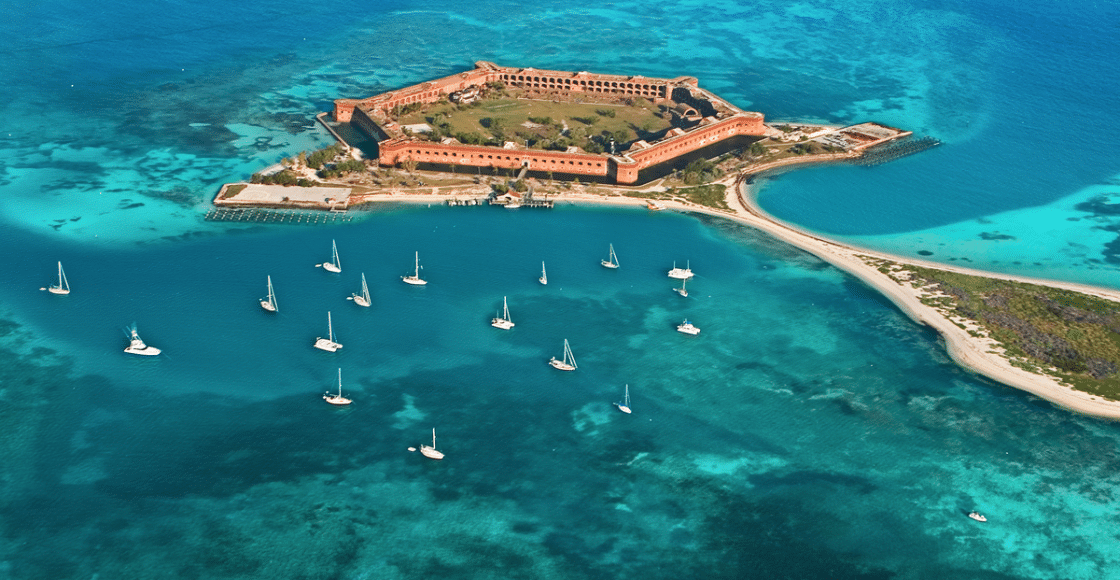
361 301
623 408
430 452
143 351
688 329
268 306
610 265
336 400
330 267
502 323
543 280
327 345
561 365
57 290
680 274
413 280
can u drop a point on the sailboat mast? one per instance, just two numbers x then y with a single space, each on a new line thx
330 331
418 275
340 382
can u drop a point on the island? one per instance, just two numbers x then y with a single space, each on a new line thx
527 137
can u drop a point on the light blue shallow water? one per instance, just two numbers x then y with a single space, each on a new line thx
810 431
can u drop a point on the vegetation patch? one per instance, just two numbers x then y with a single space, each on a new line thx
1069 335
233 189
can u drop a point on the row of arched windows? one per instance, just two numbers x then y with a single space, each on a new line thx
601 86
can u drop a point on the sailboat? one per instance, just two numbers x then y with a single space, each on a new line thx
415 279
328 344
63 285
681 273
682 290
269 302
137 346
363 298
611 262
624 406
503 322
337 399
569 362
430 452
687 328
544 275
335 265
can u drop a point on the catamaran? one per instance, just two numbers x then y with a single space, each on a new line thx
624 406
63 285
682 290
328 344
430 452
687 328
544 275
337 399
503 322
269 302
363 298
612 261
335 265
681 273
137 346
415 279
569 362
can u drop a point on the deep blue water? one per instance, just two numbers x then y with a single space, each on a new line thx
809 431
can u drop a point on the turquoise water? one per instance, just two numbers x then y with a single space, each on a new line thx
809 431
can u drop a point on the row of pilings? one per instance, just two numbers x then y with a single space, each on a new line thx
278 216
894 150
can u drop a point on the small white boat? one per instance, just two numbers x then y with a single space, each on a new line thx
612 261
680 273
63 286
415 279
430 452
363 298
977 516
137 346
682 290
687 328
503 322
335 265
624 406
569 362
328 344
269 302
544 275
337 399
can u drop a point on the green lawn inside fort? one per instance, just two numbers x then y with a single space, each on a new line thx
542 124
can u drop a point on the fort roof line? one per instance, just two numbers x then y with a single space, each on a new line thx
712 120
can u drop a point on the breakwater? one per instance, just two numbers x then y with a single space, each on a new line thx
894 150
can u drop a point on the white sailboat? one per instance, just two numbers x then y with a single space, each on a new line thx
328 344
569 362
544 275
612 261
337 399
363 298
335 265
63 286
681 273
269 302
682 290
503 322
415 279
137 346
430 452
687 328
624 406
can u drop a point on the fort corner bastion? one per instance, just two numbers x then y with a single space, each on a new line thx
699 119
